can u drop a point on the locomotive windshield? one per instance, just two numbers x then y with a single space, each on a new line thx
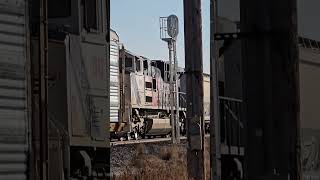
138 67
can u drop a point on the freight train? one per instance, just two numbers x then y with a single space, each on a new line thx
139 101
140 96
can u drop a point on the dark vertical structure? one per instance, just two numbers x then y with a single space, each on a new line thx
271 95
215 165
39 79
43 84
194 82
108 78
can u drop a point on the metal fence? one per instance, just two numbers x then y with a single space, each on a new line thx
231 123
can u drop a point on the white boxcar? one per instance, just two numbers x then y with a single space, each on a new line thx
14 78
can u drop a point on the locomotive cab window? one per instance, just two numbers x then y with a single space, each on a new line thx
148 99
148 85
129 64
138 67
145 67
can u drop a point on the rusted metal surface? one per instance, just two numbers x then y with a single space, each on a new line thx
14 109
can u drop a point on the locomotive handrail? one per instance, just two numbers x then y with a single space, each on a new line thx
230 99
309 43
231 125
234 116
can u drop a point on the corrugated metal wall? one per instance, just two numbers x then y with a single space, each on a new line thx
114 81
13 90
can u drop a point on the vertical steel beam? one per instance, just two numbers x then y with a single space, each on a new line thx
43 84
177 126
172 115
215 164
194 82
271 89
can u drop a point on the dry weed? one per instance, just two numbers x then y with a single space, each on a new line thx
169 164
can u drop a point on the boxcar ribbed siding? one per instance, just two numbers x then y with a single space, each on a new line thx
13 117
114 82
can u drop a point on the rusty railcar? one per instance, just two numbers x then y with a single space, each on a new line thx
78 92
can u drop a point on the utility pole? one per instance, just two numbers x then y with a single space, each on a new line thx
194 78
215 164
271 89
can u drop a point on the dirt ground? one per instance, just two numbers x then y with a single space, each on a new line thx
156 161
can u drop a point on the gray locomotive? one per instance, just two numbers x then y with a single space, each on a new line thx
139 94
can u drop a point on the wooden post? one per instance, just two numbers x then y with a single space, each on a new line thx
271 89
194 78
215 164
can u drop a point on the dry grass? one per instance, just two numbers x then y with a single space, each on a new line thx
207 158
169 164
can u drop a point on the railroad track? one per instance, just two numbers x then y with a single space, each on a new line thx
145 141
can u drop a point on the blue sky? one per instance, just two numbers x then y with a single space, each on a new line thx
137 24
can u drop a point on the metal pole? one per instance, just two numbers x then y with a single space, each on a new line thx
43 84
173 124
271 89
215 156
194 82
177 91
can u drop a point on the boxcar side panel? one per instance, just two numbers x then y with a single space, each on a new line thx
14 124
88 99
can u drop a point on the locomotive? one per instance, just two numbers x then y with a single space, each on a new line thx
140 96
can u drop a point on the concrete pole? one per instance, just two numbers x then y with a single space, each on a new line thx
172 116
271 89
215 165
194 85
177 91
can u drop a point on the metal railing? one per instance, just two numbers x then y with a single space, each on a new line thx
231 123
309 43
